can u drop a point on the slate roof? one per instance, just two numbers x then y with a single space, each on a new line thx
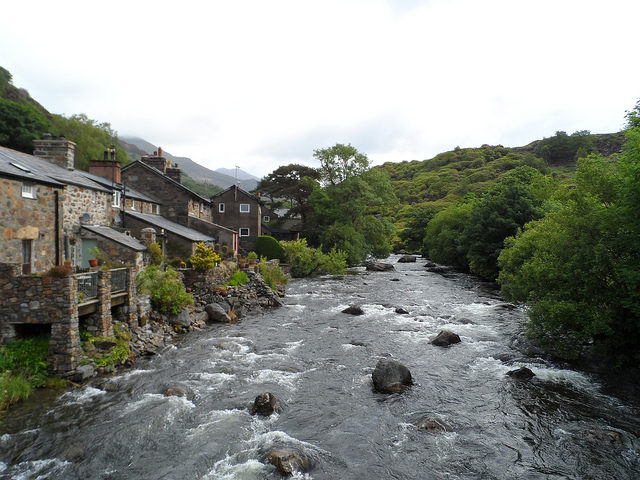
171 180
250 195
12 164
170 226
53 172
116 236
107 183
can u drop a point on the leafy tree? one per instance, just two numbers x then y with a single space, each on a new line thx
498 215
349 215
413 234
91 138
20 125
340 162
578 268
305 261
293 183
442 241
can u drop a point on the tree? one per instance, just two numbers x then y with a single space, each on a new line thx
442 241
293 183
413 234
20 125
578 268
504 209
340 162
91 138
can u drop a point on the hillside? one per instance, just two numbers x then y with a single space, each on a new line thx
136 147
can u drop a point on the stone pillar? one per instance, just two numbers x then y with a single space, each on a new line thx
65 350
130 309
100 324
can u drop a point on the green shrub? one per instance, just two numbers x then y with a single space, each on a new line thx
272 274
305 261
238 279
118 354
269 247
167 292
59 271
155 252
204 257
27 358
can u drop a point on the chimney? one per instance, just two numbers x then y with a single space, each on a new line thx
107 167
56 150
156 160
174 173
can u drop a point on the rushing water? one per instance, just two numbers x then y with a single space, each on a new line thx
318 361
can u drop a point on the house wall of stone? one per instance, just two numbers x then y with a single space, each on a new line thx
116 253
176 202
140 206
29 219
223 236
174 245
81 200
235 220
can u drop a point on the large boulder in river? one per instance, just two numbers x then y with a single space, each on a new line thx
353 310
288 461
216 313
390 376
445 338
378 266
265 404
407 259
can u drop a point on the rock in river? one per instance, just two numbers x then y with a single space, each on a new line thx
390 376
379 266
353 310
522 373
288 461
265 404
445 338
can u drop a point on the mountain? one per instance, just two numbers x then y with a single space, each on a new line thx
136 147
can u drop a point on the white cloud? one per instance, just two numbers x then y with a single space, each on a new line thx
259 84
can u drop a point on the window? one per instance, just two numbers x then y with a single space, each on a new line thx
156 208
133 204
116 199
245 208
26 256
244 232
28 190
221 207
202 208
266 219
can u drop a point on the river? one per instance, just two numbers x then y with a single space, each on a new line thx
319 361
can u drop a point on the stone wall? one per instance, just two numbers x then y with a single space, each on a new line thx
223 235
177 202
29 219
199 280
80 200
116 253
42 300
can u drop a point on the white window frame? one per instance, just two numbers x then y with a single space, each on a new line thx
117 198
248 232
266 218
156 209
221 208
133 204
28 190
248 210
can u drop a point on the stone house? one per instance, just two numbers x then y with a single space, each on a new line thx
31 232
241 211
155 177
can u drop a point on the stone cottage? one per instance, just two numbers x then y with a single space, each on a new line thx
239 210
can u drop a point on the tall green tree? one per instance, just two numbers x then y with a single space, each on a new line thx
578 268
20 125
340 162
350 212
292 183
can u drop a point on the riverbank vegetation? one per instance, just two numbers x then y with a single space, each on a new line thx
23 367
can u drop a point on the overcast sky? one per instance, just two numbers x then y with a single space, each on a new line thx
260 83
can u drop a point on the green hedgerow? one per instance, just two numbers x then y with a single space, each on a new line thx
270 247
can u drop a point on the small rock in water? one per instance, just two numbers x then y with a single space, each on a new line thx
353 310
445 338
175 392
603 438
522 373
407 259
265 404
288 461
402 311
430 425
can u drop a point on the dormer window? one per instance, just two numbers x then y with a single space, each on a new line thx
245 208
28 190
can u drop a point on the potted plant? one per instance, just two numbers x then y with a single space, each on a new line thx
95 251
253 258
